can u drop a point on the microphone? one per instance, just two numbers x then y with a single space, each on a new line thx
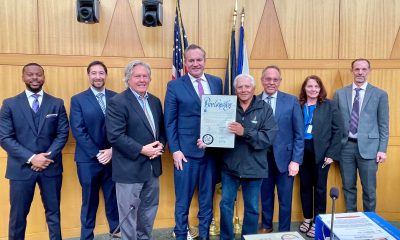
334 194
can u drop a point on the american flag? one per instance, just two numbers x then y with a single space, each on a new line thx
180 44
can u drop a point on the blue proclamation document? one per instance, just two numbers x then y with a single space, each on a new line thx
217 111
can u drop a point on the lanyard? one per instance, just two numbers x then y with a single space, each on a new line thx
309 115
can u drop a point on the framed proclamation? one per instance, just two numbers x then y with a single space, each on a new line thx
217 111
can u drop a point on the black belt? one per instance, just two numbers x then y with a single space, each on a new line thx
354 140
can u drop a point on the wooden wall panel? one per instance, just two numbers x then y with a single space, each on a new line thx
215 24
60 32
310 28
19 28
150 37
11 74
395 54
268 43
254 10
368 28
123 38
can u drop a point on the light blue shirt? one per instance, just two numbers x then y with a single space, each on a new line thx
273 99
95 92
31 98
148 110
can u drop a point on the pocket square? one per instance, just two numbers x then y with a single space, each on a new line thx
51 115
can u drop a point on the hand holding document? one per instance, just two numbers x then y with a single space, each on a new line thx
217 112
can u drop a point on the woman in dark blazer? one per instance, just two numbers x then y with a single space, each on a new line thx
323 126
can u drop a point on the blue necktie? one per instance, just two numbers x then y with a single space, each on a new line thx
148 116
99 97
35 104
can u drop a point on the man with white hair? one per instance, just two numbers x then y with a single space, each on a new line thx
246 164
135 129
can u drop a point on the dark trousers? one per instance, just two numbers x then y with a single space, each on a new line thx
250 192
284 185
313 180
200 173
21 196
351 162
92 177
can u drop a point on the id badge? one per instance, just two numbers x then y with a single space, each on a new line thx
309 129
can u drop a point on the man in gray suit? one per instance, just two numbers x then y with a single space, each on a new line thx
365 110
135 129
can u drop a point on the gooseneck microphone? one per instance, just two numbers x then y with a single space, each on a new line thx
334 194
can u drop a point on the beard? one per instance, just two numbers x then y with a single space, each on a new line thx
34 90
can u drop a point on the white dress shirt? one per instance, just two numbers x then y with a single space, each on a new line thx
204 82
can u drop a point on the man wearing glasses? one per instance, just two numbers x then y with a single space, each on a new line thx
286 154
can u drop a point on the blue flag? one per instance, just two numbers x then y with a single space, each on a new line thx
243 61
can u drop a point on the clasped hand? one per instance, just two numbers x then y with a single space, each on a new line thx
40 162
153 150
104 156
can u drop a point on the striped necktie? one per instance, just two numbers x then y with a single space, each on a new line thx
355 112
149 117
99 97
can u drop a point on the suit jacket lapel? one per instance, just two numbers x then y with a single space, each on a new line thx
43 111
348 93
138 108
27 110
93 100
189 86
368 93
280 103
154 112
211 84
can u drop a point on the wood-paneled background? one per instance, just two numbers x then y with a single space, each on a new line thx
301 36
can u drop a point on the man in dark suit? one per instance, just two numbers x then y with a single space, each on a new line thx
135 129
365 111
33 131
93 152
194 167
286 153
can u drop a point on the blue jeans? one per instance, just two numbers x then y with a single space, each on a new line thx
250 192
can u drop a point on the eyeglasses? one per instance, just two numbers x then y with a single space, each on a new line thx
268 79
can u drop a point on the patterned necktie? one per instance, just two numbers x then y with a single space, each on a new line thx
99 97
200 87
269 100
148 116
35 104
355 112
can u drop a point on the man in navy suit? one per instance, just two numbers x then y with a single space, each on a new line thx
286 154
194 167
135 129
33 131
93 152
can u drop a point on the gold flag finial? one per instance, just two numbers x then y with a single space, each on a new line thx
242 17
234 15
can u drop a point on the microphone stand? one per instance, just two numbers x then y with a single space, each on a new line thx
332 217
112 235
